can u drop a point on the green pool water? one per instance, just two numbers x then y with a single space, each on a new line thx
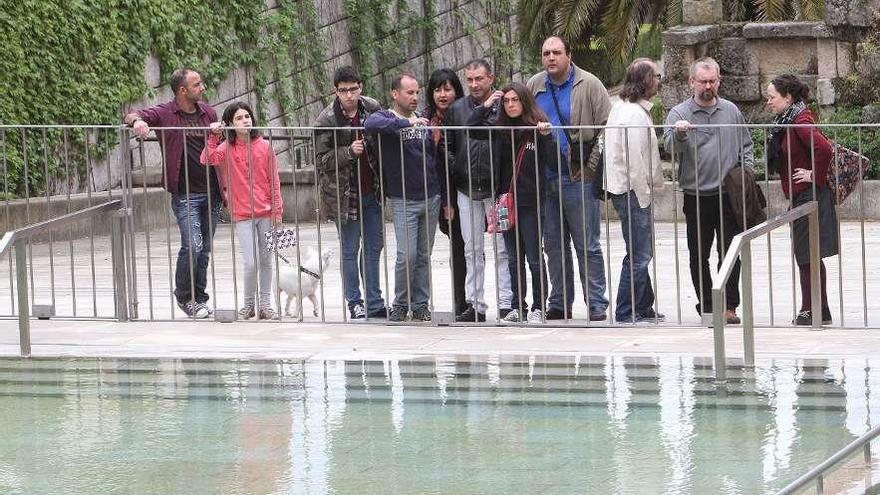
444 425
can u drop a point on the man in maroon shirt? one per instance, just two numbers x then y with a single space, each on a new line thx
195 195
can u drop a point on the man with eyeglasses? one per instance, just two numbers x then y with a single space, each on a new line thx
705 157
195 193
571 96
348 168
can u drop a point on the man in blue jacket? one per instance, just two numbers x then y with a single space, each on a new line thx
412 184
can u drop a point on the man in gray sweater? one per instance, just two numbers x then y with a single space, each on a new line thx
705 156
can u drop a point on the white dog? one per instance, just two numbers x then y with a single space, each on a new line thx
290 276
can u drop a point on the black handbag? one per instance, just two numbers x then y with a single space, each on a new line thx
585 160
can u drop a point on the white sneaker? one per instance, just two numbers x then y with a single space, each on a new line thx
536 316
194 310
512 317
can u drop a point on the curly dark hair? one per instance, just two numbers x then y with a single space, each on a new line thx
229 113
788 84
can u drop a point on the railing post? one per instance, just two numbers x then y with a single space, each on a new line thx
718 328
24 313
117 247
815 275
748 318
820 485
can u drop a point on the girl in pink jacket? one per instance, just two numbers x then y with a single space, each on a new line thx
248 175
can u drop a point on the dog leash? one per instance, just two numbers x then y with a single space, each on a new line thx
304 270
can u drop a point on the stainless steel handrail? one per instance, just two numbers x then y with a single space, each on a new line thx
20 237
817 474
740 247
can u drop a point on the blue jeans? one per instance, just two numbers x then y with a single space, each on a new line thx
366 263
415 222
638 252
197 220
580 218
524 250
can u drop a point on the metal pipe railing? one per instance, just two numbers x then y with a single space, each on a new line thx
740 247
817 474
19 239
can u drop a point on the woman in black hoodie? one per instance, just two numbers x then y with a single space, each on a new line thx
528 150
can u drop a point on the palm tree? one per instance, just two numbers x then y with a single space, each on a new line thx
610 27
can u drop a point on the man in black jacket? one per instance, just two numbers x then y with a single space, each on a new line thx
475 190
349 183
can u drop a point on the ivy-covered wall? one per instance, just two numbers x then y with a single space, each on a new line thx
86 62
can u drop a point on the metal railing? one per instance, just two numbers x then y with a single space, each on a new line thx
154 236
817 476
20 238
740 248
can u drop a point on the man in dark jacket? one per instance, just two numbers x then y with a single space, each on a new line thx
412 184
347 169
475 191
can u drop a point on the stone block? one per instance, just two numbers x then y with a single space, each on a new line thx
702 12
777 56
731 29
844 57
869 61
736 57
787 30
689 35
825 94
851 13
677 61
673 93
740 88
826 58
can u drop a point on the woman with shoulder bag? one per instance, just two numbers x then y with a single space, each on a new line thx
803 155
519 157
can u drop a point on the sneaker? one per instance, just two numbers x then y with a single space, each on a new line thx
503 312
556 314
247 312
424 314
358 312
598 316
268 314
398 313
469 315
730 316
194 310
513 316
651 316
804 317
207 308
536 316
379 313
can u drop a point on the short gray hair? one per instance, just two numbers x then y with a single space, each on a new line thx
705 63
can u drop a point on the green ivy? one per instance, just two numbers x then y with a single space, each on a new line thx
81 62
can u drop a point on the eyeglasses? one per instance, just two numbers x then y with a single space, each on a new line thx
351 90
710 82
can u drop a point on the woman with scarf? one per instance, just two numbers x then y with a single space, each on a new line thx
802 155
444 87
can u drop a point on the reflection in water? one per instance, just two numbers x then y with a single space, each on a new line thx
314 420
447 425
779 382
676 420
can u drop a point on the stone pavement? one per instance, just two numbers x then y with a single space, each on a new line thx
64 275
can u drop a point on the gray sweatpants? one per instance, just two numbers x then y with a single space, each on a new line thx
255 258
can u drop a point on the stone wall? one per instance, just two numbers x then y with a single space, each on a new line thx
752 54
